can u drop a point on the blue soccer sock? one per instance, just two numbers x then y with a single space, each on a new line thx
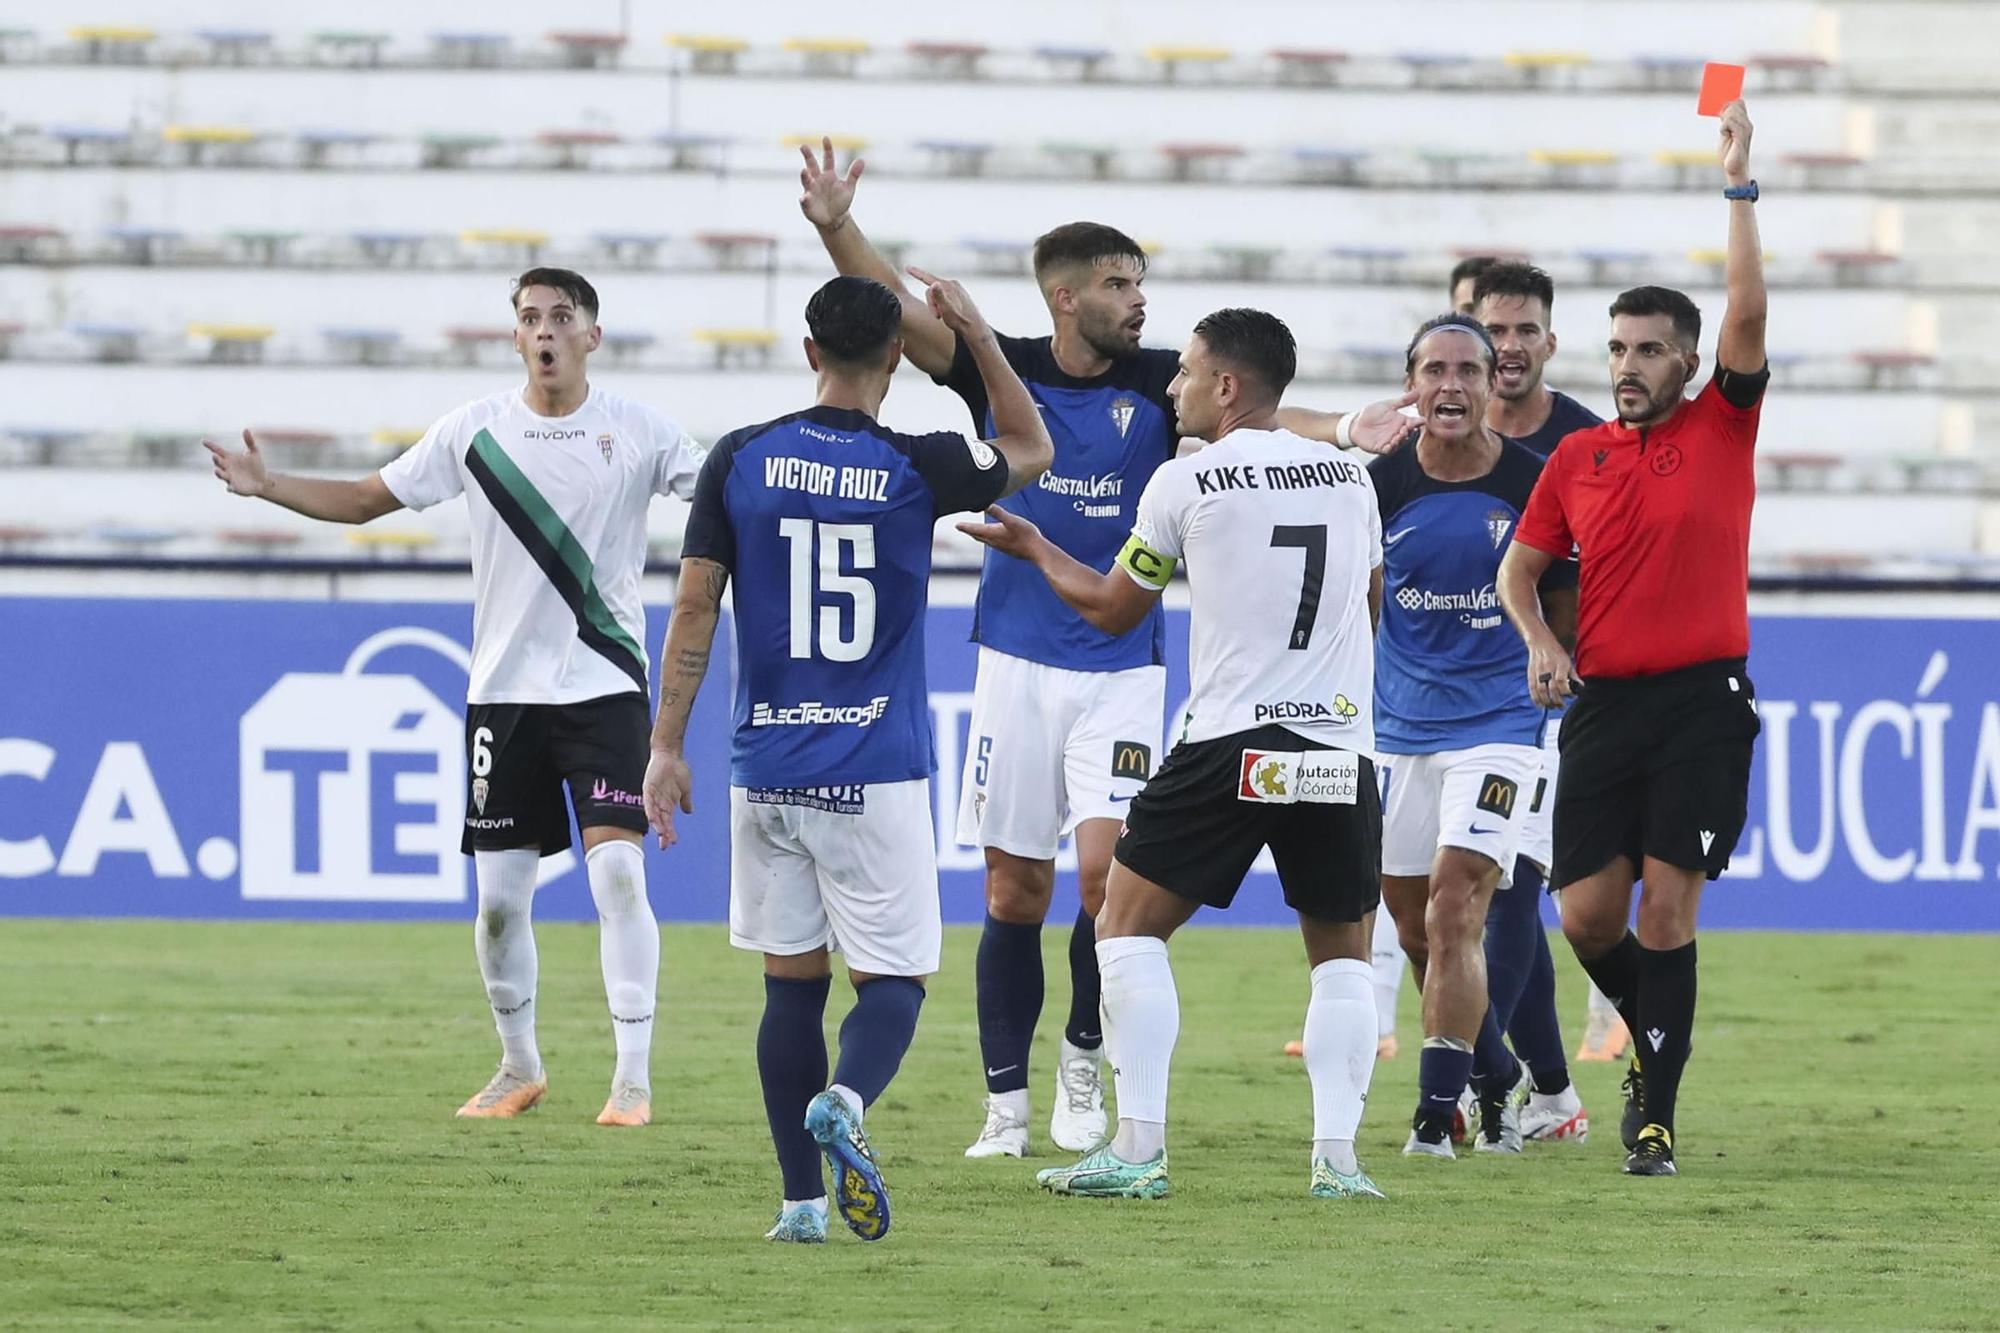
1521 978
1443 1067
1086 988
877 1033
1494 1067
791 1062
1008 980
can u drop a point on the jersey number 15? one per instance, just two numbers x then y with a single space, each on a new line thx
801 534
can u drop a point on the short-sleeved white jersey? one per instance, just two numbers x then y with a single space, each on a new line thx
1279 534
558 508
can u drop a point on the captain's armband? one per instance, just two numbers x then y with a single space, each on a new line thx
1145 564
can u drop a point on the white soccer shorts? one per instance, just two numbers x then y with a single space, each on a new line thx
1538 837
1476 799
1051 747
851 868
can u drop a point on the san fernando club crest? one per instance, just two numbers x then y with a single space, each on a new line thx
1122 409
1498 521
604 443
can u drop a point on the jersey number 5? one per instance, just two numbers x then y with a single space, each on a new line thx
1312 540
800 535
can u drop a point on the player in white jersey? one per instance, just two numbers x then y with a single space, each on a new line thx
557 477
1283 547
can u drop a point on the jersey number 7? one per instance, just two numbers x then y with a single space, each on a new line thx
801 535
1312 539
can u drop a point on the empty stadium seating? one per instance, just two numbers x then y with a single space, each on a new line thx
320 229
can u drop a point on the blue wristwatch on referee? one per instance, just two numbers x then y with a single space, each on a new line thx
1746 191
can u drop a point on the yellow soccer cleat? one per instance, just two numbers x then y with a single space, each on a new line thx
506 1096
630 1105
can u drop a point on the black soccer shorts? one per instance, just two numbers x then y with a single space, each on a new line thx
1656 766
520 756
1195 828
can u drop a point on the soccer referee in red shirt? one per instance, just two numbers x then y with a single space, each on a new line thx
1655 779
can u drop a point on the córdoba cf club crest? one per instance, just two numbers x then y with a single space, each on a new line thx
604 443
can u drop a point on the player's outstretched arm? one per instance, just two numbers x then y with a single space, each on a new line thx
1740 342
1376 429
243 471
1020 435
683 663
827 199
1550 673
1112 601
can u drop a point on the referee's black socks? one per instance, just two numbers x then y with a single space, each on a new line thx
1666 1021
1617 974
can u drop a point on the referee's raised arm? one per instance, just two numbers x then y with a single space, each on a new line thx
1740 341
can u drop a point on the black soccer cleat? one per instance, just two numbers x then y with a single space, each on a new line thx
1654 1153
1634 1119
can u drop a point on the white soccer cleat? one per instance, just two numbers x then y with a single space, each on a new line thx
505 1096
1078 1123
1419 1146
1556 1118
1005 1133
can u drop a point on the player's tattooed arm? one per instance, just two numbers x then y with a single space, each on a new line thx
244 473
683 663
827 200
1112 600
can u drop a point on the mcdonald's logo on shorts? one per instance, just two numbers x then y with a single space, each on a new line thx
1129 759
1496 795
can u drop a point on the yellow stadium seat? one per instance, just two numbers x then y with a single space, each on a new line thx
693 41
396 437
208 134
234 333
827 46
1545 59
110 32
503 236
739 345
1188 55
1573 157
388 541
845 143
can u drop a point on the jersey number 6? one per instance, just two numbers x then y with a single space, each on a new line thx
1311 539
799 535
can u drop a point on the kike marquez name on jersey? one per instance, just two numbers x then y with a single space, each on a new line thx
1277 476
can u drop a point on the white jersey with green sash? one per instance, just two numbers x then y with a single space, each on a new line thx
558 516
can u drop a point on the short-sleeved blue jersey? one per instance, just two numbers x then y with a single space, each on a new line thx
824 521
1565 416
1111 433
1450 672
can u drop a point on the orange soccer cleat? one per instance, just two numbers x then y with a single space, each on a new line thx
630 1105
506 1096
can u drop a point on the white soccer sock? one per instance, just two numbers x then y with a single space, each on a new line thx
1340 1054
504 938
628 946
1390 962
1143 1013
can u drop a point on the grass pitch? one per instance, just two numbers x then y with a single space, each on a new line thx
251 1126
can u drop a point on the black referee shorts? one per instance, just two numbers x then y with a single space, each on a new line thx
1197 826
1656 766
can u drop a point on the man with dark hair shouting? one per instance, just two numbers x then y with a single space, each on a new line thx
1656 752
556 477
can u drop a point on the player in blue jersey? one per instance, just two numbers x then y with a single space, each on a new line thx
1066 720
824 519
1459 735
1515 303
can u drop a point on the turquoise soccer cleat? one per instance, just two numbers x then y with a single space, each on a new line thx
1102 1174
800 1224
1328 1183
858 1190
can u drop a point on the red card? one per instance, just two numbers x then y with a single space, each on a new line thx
1720 85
